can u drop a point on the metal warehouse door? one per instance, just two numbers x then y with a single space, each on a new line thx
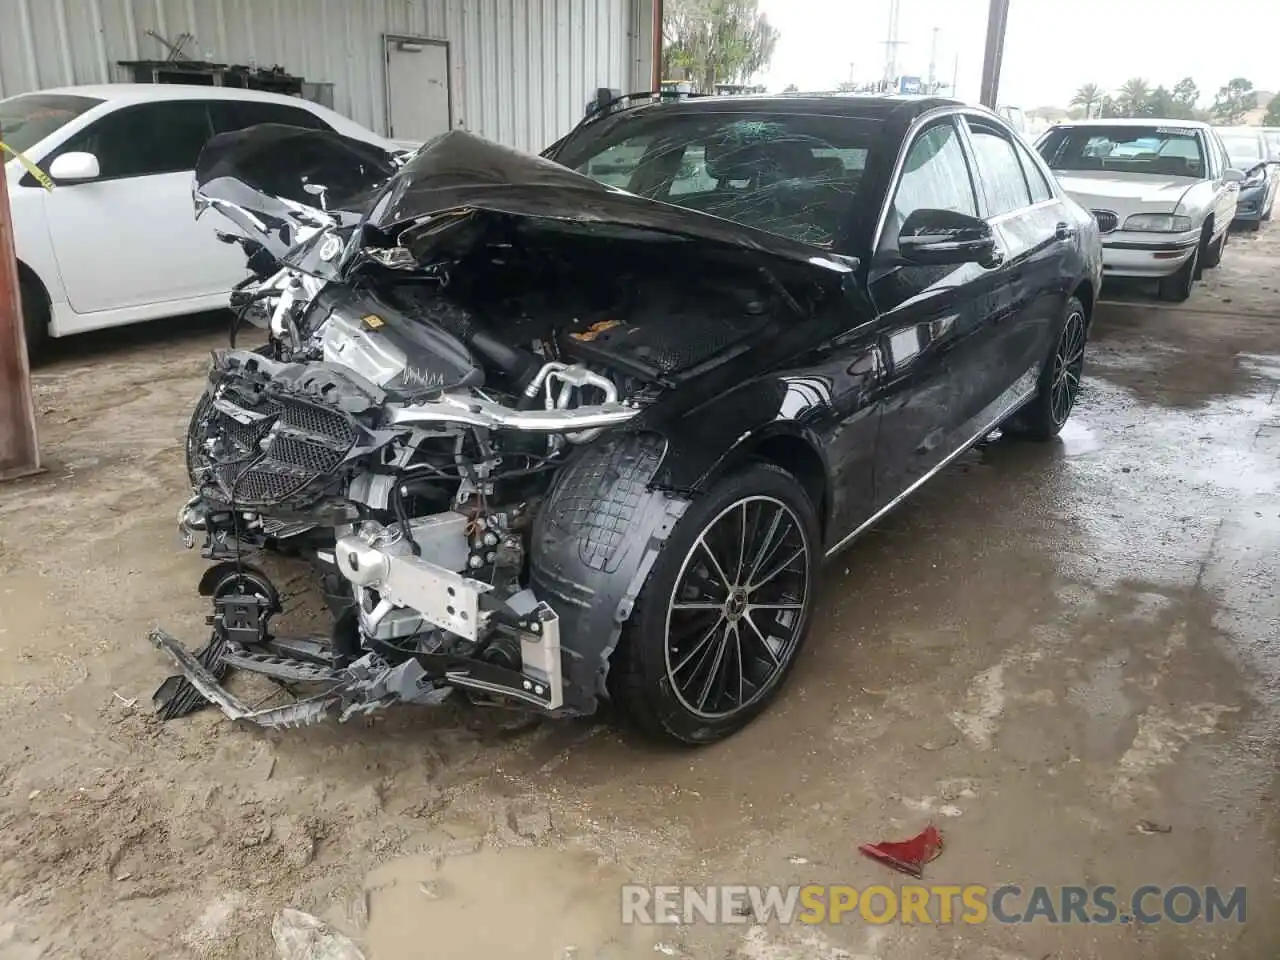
417 88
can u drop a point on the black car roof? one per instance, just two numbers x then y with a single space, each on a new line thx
858 107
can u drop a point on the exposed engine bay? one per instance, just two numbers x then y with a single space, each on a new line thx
437 406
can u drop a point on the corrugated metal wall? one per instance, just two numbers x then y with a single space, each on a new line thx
521 70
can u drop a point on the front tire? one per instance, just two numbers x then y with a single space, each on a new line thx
1213 254
1177 287
1045 415
719 623
35 317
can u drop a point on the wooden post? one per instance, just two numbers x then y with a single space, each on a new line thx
993 58
19 450
656 47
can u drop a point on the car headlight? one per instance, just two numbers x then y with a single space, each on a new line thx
1158 223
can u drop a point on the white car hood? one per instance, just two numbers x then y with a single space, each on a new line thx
1092 188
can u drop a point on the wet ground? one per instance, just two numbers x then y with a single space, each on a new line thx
1046 648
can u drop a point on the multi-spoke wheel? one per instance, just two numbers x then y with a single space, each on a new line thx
1068 362
722 616
734 616
1044 415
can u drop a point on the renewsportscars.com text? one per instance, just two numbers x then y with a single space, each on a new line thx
918 903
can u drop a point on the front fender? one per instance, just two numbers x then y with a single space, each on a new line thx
720 434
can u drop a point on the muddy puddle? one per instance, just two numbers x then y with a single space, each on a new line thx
514 903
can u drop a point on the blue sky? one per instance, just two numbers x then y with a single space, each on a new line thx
1049 52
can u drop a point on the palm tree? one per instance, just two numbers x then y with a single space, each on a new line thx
1088 96
1132 97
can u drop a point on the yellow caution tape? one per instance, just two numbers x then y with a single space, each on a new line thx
31 168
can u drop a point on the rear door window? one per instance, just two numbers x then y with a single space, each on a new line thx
229 115
1040 189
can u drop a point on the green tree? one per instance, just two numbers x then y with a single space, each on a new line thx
1108 108
1131 98
1185 97
1233 101
1160 103
715 41
1272 119
1088 97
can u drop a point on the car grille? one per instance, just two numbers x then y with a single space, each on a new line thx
295 446
1106 219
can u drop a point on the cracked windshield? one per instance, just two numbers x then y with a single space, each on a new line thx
791 175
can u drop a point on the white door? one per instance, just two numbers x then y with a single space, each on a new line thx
417 88
130 237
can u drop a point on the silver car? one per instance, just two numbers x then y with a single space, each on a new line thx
1163 192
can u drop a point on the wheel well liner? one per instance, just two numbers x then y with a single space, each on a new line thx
595 539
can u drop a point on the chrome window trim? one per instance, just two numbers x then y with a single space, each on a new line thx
914 131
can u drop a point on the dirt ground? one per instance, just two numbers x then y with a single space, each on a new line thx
1046 646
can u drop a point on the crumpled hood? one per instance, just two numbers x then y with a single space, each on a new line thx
1090 188
258 178
458 173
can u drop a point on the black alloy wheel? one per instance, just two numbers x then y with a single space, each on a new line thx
722 617
1068 364
1059 385
735 612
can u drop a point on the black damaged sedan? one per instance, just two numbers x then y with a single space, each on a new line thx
585 426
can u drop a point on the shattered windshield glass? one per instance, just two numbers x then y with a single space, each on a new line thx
790 174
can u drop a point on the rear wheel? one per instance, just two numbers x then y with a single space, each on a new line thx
1177 287
1044 416
724 613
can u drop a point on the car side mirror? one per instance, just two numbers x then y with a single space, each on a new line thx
75 166
1232 175
944 237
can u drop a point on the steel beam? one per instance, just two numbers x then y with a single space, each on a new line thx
997 20
655 74
19 452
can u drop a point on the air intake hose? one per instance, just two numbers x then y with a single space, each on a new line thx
519 365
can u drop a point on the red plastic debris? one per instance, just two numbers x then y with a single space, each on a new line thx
907 856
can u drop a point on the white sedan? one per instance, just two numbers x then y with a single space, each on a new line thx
1162 191
115 240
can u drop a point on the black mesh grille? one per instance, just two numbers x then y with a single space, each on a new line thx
1107 221
310 457
308 418
295 446
260 486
